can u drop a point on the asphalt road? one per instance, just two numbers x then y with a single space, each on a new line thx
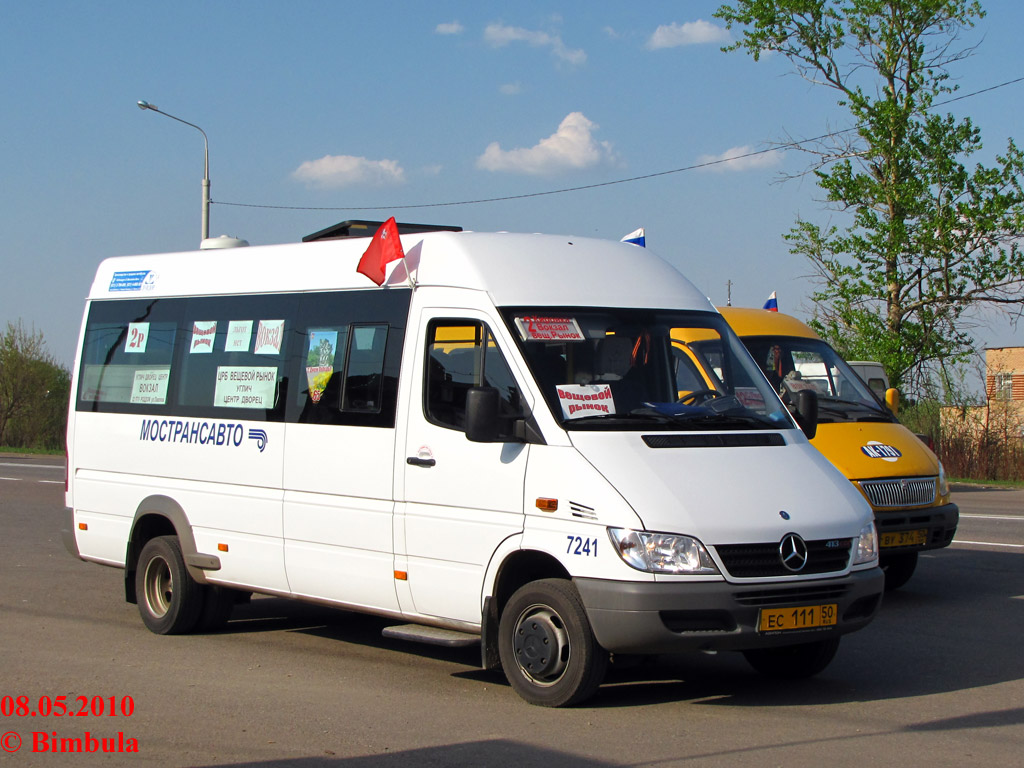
936 680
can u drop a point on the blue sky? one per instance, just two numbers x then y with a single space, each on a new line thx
368 107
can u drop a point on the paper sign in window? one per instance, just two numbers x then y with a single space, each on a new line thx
150 386
579 400
245 386
137 338
204 332
269 337
323 345
238 337
750 397
535 328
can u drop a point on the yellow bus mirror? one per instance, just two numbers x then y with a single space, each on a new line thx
892 399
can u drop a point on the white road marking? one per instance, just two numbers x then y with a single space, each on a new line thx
989 544
994 517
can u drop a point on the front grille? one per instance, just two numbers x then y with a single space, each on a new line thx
751 561
763 598
698 621
900 492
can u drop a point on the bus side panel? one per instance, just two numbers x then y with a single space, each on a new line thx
338 514
220 479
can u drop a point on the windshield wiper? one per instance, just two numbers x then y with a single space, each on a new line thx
701 416
830 404
740 419
638 414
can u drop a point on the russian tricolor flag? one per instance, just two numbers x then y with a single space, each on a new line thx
772 305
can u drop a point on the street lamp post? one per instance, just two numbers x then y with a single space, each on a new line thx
206 164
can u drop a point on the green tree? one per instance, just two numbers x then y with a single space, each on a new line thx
928 241
34 390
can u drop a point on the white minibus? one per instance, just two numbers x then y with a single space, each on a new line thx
506 443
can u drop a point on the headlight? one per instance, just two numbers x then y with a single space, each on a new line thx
867 545
943 482
661 552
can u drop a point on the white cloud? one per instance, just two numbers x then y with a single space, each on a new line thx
511 89
744 158
571 147
449 28
500 35
344 170
691 33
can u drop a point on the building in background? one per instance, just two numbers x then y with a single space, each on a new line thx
1002 416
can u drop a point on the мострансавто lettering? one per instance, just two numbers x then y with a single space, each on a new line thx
197 432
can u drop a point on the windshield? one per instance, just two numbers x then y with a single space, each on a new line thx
604 368
792 363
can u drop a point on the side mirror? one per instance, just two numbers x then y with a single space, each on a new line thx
482 414
892 399
807 412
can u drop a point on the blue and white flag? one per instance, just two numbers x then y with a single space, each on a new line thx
636 238
772 305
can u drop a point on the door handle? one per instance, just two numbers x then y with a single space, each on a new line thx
416 461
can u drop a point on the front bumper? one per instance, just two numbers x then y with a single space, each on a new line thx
646 618
939 524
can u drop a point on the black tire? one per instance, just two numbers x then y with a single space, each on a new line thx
793 662
898 569
170 600
218 604
546 645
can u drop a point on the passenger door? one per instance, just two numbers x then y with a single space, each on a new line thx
462 499
339 475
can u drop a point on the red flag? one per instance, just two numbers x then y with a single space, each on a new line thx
385 247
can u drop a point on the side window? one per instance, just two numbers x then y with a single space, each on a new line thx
128 354
234 353
349 355
462 354
878 387
330 357
364 368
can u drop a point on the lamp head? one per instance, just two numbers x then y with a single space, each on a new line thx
145 105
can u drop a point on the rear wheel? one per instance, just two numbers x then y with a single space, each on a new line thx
170 601
547 648
793 662
898 569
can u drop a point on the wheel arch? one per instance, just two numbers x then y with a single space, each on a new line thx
159 516
517 568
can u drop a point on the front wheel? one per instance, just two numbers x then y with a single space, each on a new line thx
170 601
546 645
898 569
793 662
